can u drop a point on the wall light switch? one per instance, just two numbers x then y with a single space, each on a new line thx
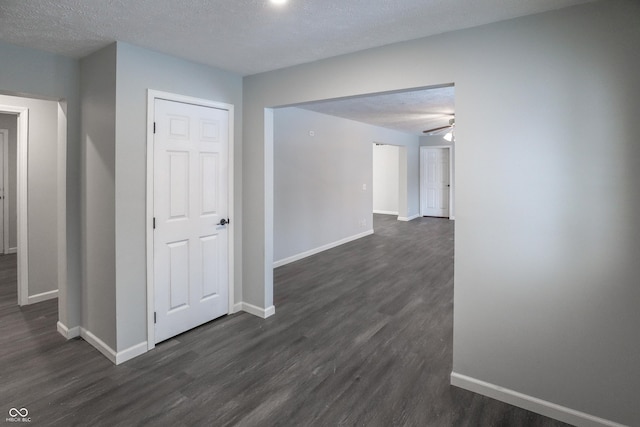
364 187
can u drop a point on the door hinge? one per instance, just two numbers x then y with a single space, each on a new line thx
155 317
154 127
154 222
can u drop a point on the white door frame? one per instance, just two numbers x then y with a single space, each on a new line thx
22 198
152 95
5 196
451 172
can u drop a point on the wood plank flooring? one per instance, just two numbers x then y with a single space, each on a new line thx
362 336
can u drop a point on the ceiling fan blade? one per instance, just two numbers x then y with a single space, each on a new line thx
437 129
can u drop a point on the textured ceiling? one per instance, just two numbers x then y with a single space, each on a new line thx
246 36
410 112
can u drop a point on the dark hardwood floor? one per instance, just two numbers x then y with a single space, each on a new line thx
362 336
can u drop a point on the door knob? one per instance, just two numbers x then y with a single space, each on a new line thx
223 222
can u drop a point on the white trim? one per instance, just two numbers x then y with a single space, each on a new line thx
44 296
100 345
22 138
268 211
257 311
411 218
5 184
149 226
13 250
64 310
530 403
375 211
452 218
131 352
22 197
319 249
152 95
451 177
68 333
237 307
115 357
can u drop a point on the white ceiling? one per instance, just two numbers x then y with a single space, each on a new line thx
410 112
252 36
246 36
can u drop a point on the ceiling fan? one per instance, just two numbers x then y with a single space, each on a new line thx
452 123
449 136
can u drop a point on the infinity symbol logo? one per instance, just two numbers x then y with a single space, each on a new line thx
22 412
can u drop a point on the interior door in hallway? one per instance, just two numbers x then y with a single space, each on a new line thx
191 268
434 182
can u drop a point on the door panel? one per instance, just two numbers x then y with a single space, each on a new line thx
210 270
190 198
178 185
178 274
210 171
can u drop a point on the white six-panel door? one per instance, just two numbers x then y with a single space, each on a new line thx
434 182
190 190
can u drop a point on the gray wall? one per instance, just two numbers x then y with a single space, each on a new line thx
318 191
138 70
547 235
42 192
98 88
434 140
386 178
50 76
10 122
409 200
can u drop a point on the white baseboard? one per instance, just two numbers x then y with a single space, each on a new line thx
115 357
68 333
407 219
100 345
530 403
255 310
131 352
322 248
237 307
11 251
375 211
42 297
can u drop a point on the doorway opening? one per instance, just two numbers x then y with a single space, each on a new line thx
8 228
36 189
21 117
315 179
317 157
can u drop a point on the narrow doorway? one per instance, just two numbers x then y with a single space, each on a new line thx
35 194
8 245
13 134
8 149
